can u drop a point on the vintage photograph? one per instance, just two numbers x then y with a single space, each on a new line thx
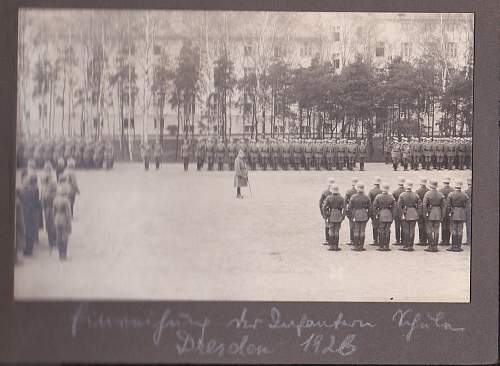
244 156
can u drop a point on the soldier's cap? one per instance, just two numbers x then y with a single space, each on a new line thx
446 180
458 184
423 181
433 183
334 188
331 180
377 180
401 181
360 187
408 184
354 181
385 187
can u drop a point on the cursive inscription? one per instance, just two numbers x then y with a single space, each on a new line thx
409 322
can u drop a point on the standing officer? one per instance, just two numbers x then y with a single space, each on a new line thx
334 211
285 153
374 192
362 155
351 192
445 224
322 200
308 152
48 193
62 220
231 153
240 173
318 154
422 231
210 149
468 211
457 203
405 155
31 209
359 209
428 151
409 204
157 151
395 155
439 154
185 154
220 154
397 211
434 211
384 205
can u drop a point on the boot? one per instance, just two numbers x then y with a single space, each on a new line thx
361 243
335 246
459 243
327 237
453 244
355 244
351 237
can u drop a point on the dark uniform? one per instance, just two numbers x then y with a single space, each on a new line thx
374 192
285 153
318 155
362 152
457 204
359 210
348 196
334 210
210 149
384 205
445 224
409 204
468 212
220 153
322 200
146 154
434 210
62 219
395 156
422 231
275 152
32 212
397 215
48 193
231 154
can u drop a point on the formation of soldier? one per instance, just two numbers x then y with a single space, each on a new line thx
432 209
438 153
45 201
60 151
274 154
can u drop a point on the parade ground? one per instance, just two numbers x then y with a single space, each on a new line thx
172 235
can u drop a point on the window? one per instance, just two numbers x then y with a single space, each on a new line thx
336 61
336 33
406 51
247 50
451 49
380 49
306 49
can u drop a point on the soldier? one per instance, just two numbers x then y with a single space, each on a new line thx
460 154
199 154
185 154
449 152
145 154
468 211
98 157
434 211
468 154
62 220
422 231
109 156
285 153
322 200
439 151
254 155
359 209
220 153
352 151
297 154
334 211
397 211
414 154
405 155
341 155
457 204
60 167
48 152
232 153
157 152
32 212
264 154
348 196
362 155
329 150
307 152
384 205
387 150
274 154
210 154
409 204
428 152
317 154
240 173
445 224
395 155
374 192
48 193
422 153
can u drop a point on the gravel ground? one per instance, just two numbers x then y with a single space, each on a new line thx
171 235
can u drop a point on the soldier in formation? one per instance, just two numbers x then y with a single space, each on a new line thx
438 153
431 208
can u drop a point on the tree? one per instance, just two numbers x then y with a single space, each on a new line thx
457 103
224 83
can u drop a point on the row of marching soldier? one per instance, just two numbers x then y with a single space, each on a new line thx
448 208
45 201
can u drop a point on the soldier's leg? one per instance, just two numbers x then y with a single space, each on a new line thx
381 235
327 234
334 235
375 229
422 232
355 231
362 230
397 229
404 234
460 231
351 232
362 164
411 238
394 164
446 225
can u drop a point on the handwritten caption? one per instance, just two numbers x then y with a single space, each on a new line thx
187 334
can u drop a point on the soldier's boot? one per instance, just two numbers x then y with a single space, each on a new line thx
410 242
361 243
335 246
355 244
395 166
351 237
432 247
398 234
327 237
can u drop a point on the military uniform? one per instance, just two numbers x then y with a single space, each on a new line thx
457 203
449 155
395 156
374 192
359 210
434 211
405 156
210 154
185 155
428 152
32 211
62 219
109 156
334 211
348 196
422 231
468 212
439 151
318 155
445 224
460 155
220 154
414 155
397 215
285 153
322 200
264 154
341 155
384 205
231 154
297 154
48 193
409 204
362 152
308 153
254 155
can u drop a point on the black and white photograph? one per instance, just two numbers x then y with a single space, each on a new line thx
244 156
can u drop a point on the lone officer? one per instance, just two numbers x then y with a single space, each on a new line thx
457 204
362 152
422 231
395 156
157 152
185 154
374 192
334 209
468 211
434 211
220 154
359 209
352 191
397 213
383 206
322 200
240 173
62 219
409 204
445 224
